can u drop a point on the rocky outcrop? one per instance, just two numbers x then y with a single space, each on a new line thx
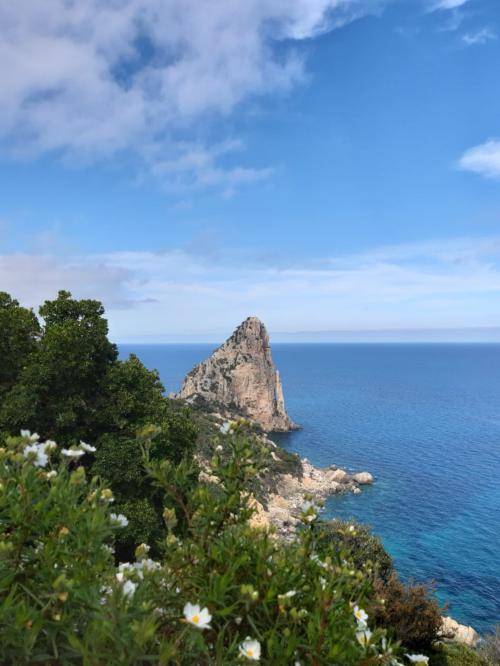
454 632
241 375
363 478
284 506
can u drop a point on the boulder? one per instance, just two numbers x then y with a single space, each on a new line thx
452 631
363 478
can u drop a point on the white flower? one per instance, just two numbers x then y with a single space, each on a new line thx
364 637
250 648
27 434
72 453
219 448
361 616
128 586
119 518
225 427
51 474
290 594
50 445
417 658
310 510
87 447
41 458
198 617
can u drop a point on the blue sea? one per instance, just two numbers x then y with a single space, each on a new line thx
424 419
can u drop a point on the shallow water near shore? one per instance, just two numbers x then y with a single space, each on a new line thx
424 419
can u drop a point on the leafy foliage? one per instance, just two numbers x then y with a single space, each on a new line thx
366 549
57 389
19 331
62 601
65 379
410 611
457 655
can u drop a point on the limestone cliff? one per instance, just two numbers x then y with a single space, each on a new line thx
241 375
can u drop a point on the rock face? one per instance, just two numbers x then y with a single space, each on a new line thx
241 375
452 631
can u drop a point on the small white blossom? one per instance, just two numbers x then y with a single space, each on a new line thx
198 617
128 586
219 448
119 518
225 427
32 437
361 616
50 445
87 447
250 649
310 510
364 637
417 658
52 474
41 458
72 453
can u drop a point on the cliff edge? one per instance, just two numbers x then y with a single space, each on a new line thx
241 375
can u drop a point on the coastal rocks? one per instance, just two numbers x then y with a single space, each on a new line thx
363 478
454 632
284 506
241 375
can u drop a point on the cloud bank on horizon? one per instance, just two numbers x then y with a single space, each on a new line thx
177 293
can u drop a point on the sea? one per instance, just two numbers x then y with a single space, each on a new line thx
424 419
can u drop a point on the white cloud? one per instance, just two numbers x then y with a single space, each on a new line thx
96 77
483 159
480 37
448 4
171 294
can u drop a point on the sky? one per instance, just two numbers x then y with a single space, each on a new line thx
325 165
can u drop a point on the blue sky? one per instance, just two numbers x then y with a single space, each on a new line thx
322 164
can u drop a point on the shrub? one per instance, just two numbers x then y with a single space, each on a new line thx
219 592
490 647
411 612
366 550
456 655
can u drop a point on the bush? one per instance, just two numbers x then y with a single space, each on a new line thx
411 612
456 655
62 601
490 647
366 550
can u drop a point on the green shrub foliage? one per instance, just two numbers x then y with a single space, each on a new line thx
65 380
19 332
366 549
220 592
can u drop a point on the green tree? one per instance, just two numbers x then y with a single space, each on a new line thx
19 334
58 388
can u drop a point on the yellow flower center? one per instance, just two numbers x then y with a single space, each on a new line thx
195 619
249 652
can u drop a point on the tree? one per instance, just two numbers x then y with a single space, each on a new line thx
19 334
57 389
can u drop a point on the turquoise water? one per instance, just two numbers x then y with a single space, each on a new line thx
425 420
